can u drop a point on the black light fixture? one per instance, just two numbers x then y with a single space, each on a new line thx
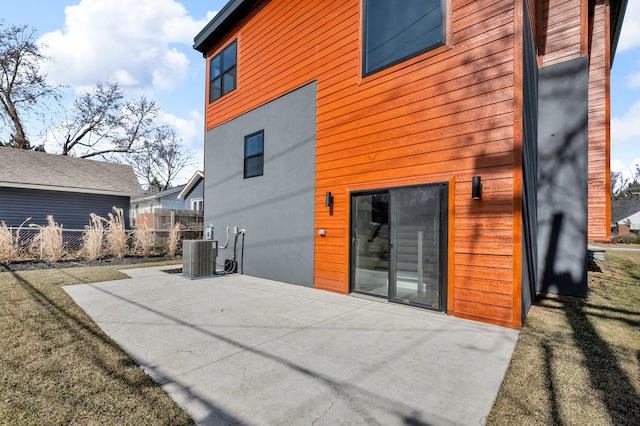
476 188
328 201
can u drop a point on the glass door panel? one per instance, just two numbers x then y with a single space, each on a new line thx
370 244
416 237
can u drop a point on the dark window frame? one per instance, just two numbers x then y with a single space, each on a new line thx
226 70
443 36
258 155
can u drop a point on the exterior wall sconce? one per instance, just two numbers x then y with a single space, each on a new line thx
476 188
328 201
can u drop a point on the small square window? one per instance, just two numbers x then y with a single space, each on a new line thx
396 30
222 72
254 154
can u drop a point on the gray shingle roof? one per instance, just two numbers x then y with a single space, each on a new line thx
28 169
156 195
621 209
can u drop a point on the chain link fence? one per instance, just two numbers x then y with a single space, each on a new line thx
29 242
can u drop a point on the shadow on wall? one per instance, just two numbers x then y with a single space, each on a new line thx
562 178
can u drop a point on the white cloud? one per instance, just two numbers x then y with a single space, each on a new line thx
627 128
630 35
134 42
188 130
626 171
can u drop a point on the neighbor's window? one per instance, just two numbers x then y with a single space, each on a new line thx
222 72
396 30
196 204
254 154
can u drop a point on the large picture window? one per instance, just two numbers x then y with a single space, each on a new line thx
222 72
396 30
254 154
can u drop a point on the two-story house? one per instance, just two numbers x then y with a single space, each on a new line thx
447 154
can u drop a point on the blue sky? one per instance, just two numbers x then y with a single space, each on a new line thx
146 45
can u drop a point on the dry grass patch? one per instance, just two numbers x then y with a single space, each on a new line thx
49 241
174 239
578 361
116 234
143 240
92 237
8 250
58 367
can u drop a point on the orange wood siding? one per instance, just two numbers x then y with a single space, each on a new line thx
561 26
444 116
599 116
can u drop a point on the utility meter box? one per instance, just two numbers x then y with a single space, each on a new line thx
199 258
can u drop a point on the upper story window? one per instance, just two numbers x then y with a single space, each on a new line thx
254 154
222 72
396 30
197 204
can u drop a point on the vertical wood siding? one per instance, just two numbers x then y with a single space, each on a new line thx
446 115
599 116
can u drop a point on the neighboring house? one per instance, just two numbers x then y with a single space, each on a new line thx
35 184
625 217
345 138
167 199
193 192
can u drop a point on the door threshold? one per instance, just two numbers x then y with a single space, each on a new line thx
385 300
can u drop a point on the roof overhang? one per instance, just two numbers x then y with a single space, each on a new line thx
65 189
192 182
618 8
224 20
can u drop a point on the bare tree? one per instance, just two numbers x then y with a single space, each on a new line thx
22 84
159 161
103 124
618 185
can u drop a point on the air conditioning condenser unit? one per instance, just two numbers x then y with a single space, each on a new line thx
199 258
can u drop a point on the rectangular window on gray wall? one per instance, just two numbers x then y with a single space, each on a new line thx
396 30
222 72
254 154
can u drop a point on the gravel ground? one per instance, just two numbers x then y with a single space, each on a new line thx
27 265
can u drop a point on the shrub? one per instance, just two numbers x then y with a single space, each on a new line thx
174 239
143 239
92 238
116 235
626 239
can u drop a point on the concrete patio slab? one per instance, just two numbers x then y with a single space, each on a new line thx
244 350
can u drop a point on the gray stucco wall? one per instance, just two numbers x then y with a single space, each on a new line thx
276 209
562 177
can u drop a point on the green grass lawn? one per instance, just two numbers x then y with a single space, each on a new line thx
577 361
58 367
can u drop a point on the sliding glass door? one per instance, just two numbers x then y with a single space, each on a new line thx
371 243
398 245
